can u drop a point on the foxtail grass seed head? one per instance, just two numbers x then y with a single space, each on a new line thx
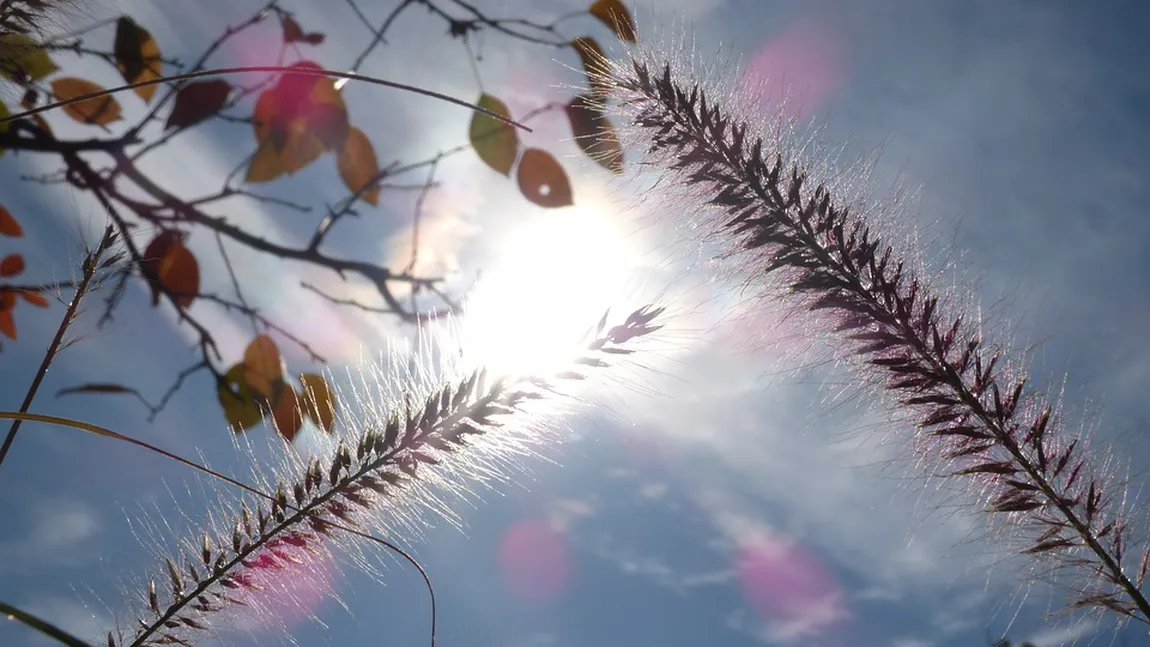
805 229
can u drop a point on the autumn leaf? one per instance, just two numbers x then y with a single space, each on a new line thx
594 64
198 101
293 33
542 180
615 16
295 122
153 254
138 56
265 165
22 60
302 148
265 115
35 298
358 166
496 143
179 274
100 111
594 133
317 402
95 388
263 366
12 265
240 404
286 414
8 224
7 323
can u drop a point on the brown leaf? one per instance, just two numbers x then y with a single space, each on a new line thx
8 224
99 111
594 64
179 274
594 133
318 403
358 166
153 254
286 414
293 33
496 143
35 298
615 16
198 101
240 404
301 148
263 366
266 164
12 265
542 180
138 56
7 323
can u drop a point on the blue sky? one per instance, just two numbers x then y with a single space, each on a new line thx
724 493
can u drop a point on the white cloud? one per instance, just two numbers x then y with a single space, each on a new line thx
55 532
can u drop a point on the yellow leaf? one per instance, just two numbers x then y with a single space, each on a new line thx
301 148
265 165
358 166
138 56
263 366
286 414
318 403
495 142
615 16
100 111
594 64
179 274
22 59
594 133
240 404
542 180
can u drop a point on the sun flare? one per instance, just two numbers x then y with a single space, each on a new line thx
552 280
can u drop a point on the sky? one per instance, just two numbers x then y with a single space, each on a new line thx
731 488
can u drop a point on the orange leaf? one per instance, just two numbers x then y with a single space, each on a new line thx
8 224
358 166
265 114
263 366
301 148
12 265
99 111
153 254
615 16
34 298
7 323
318 403
594 133
138 56
286 414
594 64
179 274
542 180
266 164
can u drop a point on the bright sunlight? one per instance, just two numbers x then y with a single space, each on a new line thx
551 282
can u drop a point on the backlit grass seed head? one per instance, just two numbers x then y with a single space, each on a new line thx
420 441
777 209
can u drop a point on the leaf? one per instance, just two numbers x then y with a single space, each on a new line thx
496 143
7 323
542 180
138 56
302 148
358 166
95 388
263 366
8 224
100 111
35 298
265 165
265 115
4 114
286 414
198 101
594 133
153 254
615 16
241 407
179 274
318 403
22 60
293 33
12 265
594 64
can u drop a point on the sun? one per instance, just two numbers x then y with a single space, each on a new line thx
552 280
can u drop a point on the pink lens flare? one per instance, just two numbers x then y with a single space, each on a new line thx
535 560
285 592
797 71
788 585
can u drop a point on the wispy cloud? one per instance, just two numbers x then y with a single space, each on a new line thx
55 533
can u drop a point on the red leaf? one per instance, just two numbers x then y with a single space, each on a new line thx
7 324
12 265
8 224
34 298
